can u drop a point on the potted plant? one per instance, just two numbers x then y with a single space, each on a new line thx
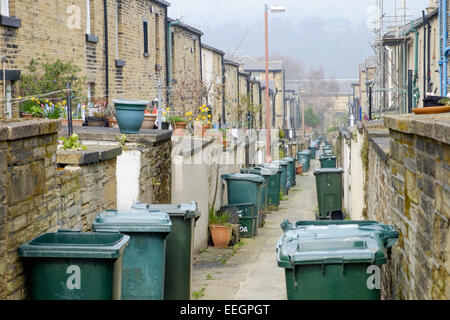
96 113
130 115
443 106
220 229
204 119
32 109
149 120
178 122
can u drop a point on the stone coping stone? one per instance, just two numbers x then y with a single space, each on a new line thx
92 154
21 129
145 136
433 126
187 148
381 145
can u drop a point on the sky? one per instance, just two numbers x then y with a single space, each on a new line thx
332 34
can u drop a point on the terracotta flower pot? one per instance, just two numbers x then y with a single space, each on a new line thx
27 116
205 128
75 122
221 236
179 129
432 110
180 125
299 169
149 121
112 122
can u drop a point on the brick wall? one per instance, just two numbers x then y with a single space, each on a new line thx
46 190
231 91
47 29
408 187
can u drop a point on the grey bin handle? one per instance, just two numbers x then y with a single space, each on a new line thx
70 230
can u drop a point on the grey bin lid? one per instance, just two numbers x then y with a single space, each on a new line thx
186 210
280 163
330 244
75 244
244 177
275 169
328 171
288 159
264 171
133 221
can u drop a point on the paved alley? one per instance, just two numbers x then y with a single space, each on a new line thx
251 272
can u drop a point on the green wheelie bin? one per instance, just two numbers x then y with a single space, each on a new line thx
285 176
180 243
303 158
263 199
334 260
313 150
292 166
329 193
327 161
244 188
144 260
273 195
248 218
74 265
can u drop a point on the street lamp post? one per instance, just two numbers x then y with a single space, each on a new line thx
274 9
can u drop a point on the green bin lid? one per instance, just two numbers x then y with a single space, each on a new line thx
327 156
75 244
328 171
133 221
186 210
244 177
330 244
387 233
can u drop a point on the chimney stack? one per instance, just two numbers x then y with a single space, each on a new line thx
433 5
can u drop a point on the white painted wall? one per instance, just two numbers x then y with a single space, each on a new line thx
357 178
127 174
346 163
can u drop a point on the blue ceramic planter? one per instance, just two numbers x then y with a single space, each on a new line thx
130 115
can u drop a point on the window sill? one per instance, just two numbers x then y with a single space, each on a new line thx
120 63
10 22
91 38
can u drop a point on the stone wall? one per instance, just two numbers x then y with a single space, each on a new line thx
144 167
42 190
408 187
57 28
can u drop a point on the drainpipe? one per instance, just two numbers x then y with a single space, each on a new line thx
105 12
429 86
424 54
416 91
223 94
444 45
440 46
169 59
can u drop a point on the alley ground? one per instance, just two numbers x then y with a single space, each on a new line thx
250 272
